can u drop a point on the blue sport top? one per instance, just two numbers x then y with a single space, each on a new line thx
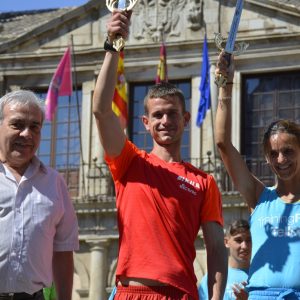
113 293
275 230
234 276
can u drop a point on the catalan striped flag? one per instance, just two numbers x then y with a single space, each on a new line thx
60 85
162 70
120 100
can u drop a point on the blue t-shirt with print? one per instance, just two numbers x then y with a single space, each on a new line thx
113 293
234 276
275 230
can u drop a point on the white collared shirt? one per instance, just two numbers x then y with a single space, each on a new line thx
36 218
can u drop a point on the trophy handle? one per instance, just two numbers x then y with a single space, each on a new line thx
219 41
113 4
119 42
239 48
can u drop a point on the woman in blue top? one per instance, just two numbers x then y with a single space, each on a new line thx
275 211
238 242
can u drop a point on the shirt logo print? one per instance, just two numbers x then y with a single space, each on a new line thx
184 182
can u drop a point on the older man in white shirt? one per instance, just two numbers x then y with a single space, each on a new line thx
38 224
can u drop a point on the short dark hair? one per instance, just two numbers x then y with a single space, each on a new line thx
164 90
283 126
237 226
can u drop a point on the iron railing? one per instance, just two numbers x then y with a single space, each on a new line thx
93 182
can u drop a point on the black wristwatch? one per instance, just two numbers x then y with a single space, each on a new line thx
108 47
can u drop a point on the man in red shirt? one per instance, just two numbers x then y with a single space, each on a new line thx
161 201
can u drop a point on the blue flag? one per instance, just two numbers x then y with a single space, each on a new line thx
204 103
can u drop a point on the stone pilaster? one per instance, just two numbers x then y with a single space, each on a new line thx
2 89
98 269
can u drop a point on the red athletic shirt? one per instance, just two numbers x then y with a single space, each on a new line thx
160 209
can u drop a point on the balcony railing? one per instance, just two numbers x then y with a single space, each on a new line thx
93 183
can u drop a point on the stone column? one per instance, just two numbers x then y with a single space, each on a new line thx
98 269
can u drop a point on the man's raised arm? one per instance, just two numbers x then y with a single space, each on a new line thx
111 134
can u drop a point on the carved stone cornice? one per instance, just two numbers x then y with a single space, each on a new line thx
158 19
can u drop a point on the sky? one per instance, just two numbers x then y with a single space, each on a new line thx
21 5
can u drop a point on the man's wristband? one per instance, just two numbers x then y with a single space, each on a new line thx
108 47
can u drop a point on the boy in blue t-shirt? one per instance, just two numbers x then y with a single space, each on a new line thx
238 242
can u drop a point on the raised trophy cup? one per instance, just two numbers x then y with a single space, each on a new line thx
231 47
119 42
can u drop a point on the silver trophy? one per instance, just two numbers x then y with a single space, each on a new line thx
119 42
231 47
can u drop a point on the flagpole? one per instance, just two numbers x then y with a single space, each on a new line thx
212 108
204 88
201 128
78 115
201 147
213 132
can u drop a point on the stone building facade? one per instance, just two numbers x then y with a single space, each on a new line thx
32 43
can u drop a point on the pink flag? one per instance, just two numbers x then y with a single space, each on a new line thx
60 85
